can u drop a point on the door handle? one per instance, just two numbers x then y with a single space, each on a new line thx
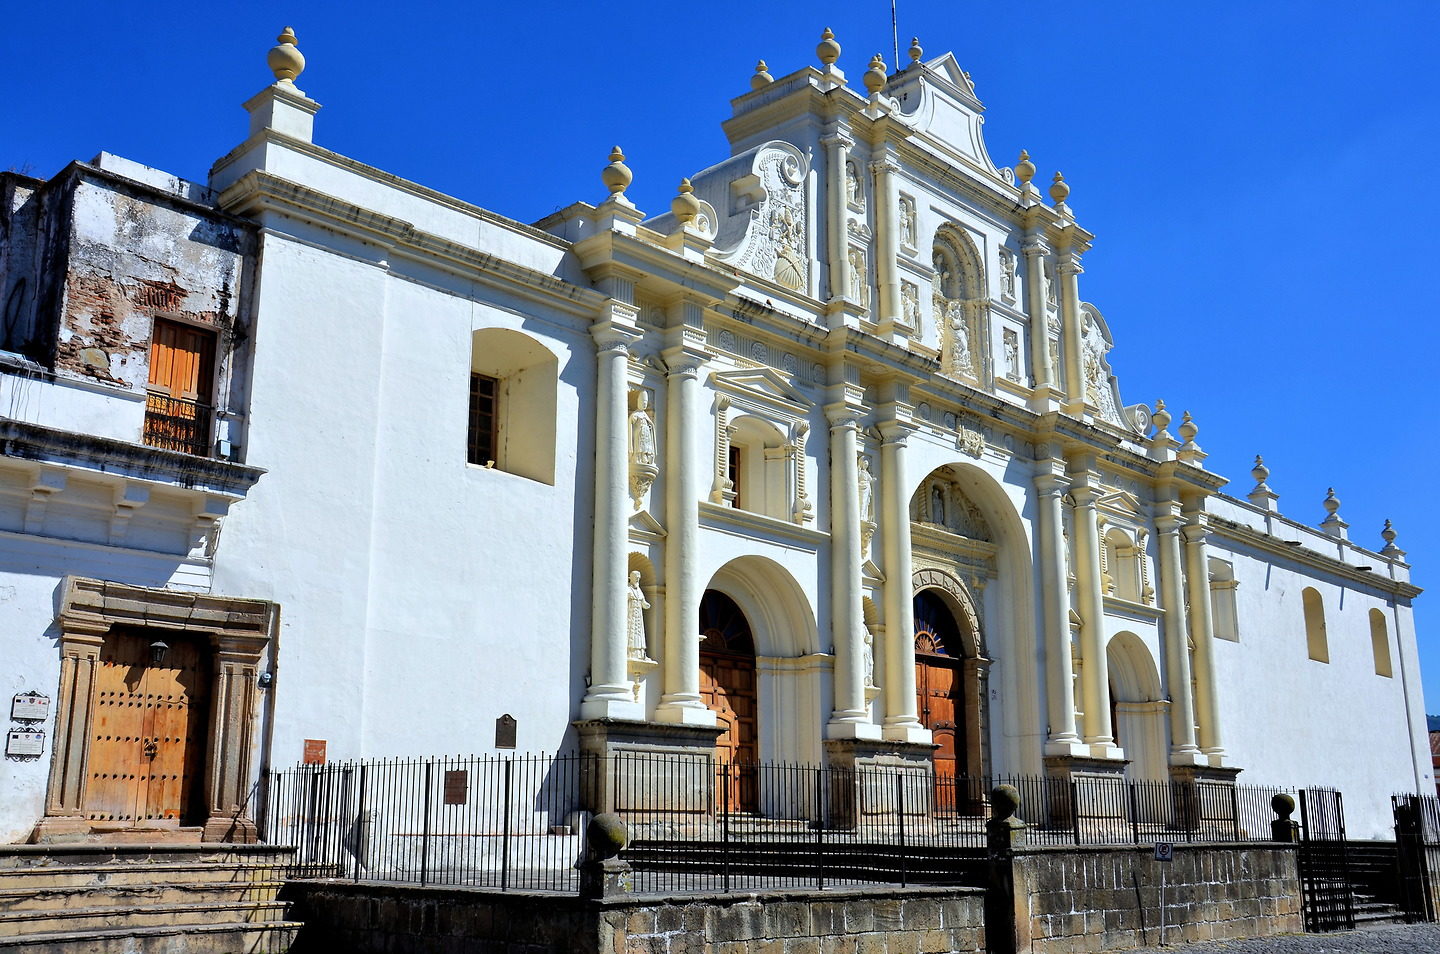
152 748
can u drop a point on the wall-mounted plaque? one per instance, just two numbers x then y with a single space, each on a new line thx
314 752
24 743
30 707
505 732
457 787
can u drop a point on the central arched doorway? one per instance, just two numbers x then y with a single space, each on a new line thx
940 701
728 688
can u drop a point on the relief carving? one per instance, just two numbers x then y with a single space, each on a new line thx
643 469
910 306
775 239
908 230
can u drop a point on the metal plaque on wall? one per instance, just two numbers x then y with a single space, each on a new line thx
314 752
457 786
505 732
24 744
30 707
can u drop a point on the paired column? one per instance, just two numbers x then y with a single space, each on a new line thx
1039 322
237 663
901 722
851 717
1177 639
1202 631
1095 673
1060 676
887 245
1072 343
610 694
80 644
681 700
837 151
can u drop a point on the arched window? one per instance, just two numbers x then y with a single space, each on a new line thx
1380 643
1315 638
513 381
1223 615
760 467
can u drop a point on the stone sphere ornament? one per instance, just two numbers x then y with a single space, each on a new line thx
616 176
875 75
1004 801
1024 169
285 59
1283 805
1059 189
828 50
762 76
685 206
606 836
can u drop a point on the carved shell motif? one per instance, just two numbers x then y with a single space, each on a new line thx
774 245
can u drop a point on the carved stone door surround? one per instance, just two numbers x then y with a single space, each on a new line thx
239 632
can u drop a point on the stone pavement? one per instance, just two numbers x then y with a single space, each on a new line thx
1390 939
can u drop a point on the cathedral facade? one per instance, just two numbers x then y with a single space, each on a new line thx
825 464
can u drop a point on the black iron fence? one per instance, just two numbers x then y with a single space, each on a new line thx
1417 838
696 824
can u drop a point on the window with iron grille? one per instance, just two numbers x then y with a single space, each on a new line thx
484 424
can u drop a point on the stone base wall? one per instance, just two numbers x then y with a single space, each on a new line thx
1101 899
400 919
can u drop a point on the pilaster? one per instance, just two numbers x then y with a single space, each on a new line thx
1051 486
837 142
227 782
901 722
1095 672
887 243
1183 750
1071 342
1047 395
80 643
1202 631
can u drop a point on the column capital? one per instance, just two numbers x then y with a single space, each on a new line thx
843 414
686 358
837 135
613 333
1051 484
1195 533
1034 247
884 164
1069 264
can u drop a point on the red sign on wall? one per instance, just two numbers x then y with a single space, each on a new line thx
314 752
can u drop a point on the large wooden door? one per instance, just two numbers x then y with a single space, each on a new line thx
179 390
148 733
939 693
728 687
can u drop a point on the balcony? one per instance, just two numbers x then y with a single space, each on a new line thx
178 425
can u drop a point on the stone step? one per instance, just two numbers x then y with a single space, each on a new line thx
273 937
14 857
51 898
37 877
86 920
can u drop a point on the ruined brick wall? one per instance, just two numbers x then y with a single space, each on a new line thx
20 214
1100 899
399 919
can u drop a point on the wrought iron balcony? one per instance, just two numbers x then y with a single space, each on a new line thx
178 425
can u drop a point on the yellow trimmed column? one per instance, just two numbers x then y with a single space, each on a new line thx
1050 486
901 722
1183 750
1202 632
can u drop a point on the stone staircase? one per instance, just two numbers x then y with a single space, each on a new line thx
136 899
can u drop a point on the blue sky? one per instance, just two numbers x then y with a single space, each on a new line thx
1259 176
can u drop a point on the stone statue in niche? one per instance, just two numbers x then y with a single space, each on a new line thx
858 283
1012 354
907 222
636 606
643 469
853 192
961 359
937 506
910 305
1007 273
866 482
869 659
642 431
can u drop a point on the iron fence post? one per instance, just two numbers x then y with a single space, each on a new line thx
1075 808
361 834
505 831
425 832
820 828
1235 812
725 826
900 813
1134 813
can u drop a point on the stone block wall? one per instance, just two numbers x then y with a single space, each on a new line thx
400 919
1101 899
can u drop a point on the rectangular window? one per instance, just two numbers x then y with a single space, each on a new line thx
484 425
733 472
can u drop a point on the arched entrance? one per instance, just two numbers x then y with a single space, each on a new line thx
728 688
948 696
1137 708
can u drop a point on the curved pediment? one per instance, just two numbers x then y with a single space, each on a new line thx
938 98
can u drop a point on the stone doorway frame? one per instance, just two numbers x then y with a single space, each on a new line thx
240 633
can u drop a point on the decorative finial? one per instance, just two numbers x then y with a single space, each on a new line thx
1260 472
1187 428
1261 495
762 76
616 176
285 60
1059 191
1332 524
1024 169
828 50
1390 550
915 51
875 75
685 206
1162 420
1189 451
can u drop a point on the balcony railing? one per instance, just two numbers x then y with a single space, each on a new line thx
178 425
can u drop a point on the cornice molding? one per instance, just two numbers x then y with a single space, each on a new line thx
1274 546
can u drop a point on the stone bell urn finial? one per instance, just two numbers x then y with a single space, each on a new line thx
285 59
915 51
1024 169
874 77
828 50
1162 419
1059 189
761 76
1333 524
685 206
616 176
1390 550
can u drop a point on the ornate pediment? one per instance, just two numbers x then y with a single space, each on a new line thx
644 527
764 386
1121 502
769 199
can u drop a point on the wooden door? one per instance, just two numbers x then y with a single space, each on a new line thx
728 688
938 692
148 734
180 387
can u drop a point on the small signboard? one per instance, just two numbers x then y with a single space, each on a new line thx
314 752
25 743
457 787
505 732
30 707
1164 851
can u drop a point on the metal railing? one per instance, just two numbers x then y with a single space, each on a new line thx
178 425
517 822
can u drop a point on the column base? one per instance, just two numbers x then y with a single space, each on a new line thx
1203 773
847 729
912 733
57 829
1070 767
1071 748
612 705
661 765
1043 400
683 711
1188 758
1106 752
234 828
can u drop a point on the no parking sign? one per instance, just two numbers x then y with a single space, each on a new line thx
1164 851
